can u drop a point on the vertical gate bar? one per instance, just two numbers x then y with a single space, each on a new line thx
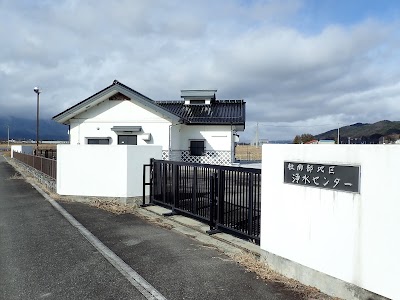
259 201
194 191
155 181
235 197
151 180
250 205
206 181
231 192
227 197
189 182
245 201
175 185
216 194
144 185
212 201
221 197
170 179
164 179
184 182
158 183
241 200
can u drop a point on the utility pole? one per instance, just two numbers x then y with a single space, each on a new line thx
37 91
257 138
8 137
338 135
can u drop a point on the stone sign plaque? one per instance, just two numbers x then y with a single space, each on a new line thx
325 176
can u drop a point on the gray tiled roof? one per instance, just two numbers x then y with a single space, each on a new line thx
218 112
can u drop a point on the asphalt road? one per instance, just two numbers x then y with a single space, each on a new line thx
177 266
42 256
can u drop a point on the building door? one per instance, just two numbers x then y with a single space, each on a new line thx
127 139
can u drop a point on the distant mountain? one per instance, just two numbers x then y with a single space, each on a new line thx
25 129
364 132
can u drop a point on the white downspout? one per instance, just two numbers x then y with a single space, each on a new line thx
169 141
232 146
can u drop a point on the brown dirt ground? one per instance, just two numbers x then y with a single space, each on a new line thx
248 152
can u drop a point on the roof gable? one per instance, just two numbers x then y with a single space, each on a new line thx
218 112
116 91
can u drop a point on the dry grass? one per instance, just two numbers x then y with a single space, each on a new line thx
41 146
248 152
112 206
16 175
261 269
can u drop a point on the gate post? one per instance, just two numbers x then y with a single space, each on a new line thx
213 186
150 183
221 197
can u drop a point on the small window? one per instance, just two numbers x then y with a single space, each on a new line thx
98 141
127 140
197 148
197 102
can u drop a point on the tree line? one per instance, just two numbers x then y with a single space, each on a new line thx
304 138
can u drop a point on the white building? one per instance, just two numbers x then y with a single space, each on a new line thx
198 128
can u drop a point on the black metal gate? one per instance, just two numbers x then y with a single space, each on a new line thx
228 198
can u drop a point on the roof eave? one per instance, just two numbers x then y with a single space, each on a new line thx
116 87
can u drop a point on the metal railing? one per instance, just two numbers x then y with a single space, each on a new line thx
47 153
42 164
228 198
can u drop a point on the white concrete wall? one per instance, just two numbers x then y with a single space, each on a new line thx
352 237
21 149
98 121
103 171
217 138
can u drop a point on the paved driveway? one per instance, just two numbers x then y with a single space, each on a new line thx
43 256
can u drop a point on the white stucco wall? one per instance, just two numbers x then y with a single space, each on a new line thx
21 149
98 121
103 171
353 237
217 138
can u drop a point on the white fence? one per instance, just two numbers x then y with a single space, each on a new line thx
353 237
103 170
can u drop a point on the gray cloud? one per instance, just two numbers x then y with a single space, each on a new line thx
293 80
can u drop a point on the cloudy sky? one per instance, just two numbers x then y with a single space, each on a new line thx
301 66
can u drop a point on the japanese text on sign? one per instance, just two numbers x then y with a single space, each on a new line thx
334 177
